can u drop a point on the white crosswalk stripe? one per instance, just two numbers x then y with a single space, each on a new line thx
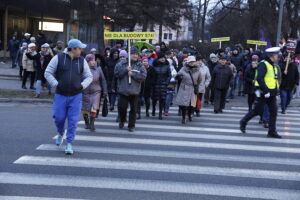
32 198
150 185
211 146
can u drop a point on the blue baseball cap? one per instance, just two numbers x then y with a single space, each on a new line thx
75 43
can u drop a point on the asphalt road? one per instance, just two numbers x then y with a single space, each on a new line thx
205 159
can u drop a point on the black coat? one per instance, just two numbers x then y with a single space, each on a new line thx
39 67
237 61
291 79
146 85
110 64
211 66
221 77
249 78
159 76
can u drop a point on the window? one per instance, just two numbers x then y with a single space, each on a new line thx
52 26
165 36
170 36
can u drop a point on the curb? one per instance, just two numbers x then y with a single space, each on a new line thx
9 75
19 100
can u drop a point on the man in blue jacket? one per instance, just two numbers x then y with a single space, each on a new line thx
70 74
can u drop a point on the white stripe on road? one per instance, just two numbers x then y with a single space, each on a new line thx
212 136
189 128
158 167
205 123
246 109
149 185
176 154
187 144
235 118
32 198
236 112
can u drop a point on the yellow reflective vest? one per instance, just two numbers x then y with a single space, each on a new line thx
271 77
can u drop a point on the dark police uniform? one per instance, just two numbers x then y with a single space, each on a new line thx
267 88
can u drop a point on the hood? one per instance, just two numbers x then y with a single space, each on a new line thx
112 51
156 63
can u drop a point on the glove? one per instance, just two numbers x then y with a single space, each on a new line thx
267 95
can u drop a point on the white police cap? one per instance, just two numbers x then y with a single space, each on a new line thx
273 50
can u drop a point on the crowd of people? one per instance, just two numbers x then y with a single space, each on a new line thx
156 78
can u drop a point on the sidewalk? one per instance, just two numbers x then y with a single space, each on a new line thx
6 70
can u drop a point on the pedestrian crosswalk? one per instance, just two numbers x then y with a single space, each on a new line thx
205 159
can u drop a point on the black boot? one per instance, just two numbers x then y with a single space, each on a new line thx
274 134
183 121
243 126
24 87
138 116
92 125
147 113
86 121
160 115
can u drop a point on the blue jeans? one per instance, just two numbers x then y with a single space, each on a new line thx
67 107
285 97
169 99
112 99
266 114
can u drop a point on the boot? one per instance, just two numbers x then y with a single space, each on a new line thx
138 116
24 87
153 113
147 113
274 134
160 115
243 126
92 125
86 121
183 121
190 118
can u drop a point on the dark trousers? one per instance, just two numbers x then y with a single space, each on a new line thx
13 60
25 76
21 71
146 100
123 105
251 99
219 99
186 110
161 105
112 97
209 94
259 109
285 97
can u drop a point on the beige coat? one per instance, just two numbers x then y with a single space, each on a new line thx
27 63
205 78
186 95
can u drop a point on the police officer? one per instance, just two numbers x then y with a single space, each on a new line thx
267 86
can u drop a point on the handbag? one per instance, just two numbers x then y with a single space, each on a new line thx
105 107
196 87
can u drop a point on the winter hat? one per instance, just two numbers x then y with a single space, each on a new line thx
31 45
212 55
123 53
46 45
93 50
89 57
160 55
27 34
32 39
134 50
168 53
24 44
255 57
191 59
157 47
144 58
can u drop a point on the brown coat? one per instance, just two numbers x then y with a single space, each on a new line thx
186 95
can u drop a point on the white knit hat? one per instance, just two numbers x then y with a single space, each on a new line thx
31 45
46 45
191 59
